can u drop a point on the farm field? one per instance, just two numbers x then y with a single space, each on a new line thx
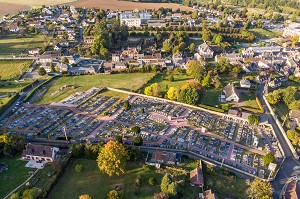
16 174
7 7
127 81
125 5
13 69
91 181
12 45
35 3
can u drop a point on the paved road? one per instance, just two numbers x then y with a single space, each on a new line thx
286 170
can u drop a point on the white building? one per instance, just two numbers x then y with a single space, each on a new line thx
134 18
40 152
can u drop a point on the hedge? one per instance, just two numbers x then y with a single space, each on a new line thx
211 108
9 103
253 110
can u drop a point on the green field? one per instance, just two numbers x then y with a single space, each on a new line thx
91 181
165 84
264 34
13 46
249 101
211 97
17 173
13 69
125 81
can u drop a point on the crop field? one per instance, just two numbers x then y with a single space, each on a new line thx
31 3
82 83
125 5
12 45
13 69
6 7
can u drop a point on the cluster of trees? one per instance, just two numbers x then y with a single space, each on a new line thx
294 136
11 145
152 90
27 194
88 150
168 187
259 189
269 158
254 119
287 95
175 43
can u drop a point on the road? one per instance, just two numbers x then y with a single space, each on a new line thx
286 170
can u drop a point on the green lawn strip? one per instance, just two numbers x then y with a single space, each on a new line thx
211 97
13 68
16 174
124 81
248 100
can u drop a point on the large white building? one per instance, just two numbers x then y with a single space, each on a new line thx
134 18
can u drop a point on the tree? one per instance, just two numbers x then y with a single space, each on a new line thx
77 150
104 53
172 93
30 194
42 71
206 35
152 90
218 39
78 168
112 158
85 196
138 141
253 119
269 158
295 105
192 47
113 195
167 46
273 97
152 181
168 186
126 105
14 196
196 69
171 78
136 129
295 39
206 81
294 137
52 68
259 189
64 60
188 95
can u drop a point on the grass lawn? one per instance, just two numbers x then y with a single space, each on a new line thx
12 45
16 174
13 69
248 100
91 181
264 34
165 84
125 81
211 97
281 110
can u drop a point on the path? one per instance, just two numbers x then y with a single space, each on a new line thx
7 196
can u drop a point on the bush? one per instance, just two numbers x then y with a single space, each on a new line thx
152 181
78 168
269 158
225 107
254 119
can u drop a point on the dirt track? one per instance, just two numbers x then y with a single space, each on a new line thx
125 5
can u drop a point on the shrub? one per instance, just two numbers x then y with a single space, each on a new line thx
152 181
78 168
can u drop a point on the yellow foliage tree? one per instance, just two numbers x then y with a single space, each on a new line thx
172 93
112 158
85 196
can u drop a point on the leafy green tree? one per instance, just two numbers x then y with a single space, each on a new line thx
206 35
172 93
258 188
269 158
225 107
42 71
64 60
14 196
113 195
168 186
77 150
171 78
30 194
218 39
78 168
126 105
167 46
138 141
196 69
152 181
152 90
273 97
112 158
206 81
254 119
294 136
136 129
52 68
104 53
295 105
192 47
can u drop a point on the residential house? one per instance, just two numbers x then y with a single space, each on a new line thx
196 177
49 56
115 57
205 51
179 61
13 28
88 39
245 83
230 94
74 59
64 43
34 23
134 18
275 83
150 59
57 47
263 78
40 152
162 157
